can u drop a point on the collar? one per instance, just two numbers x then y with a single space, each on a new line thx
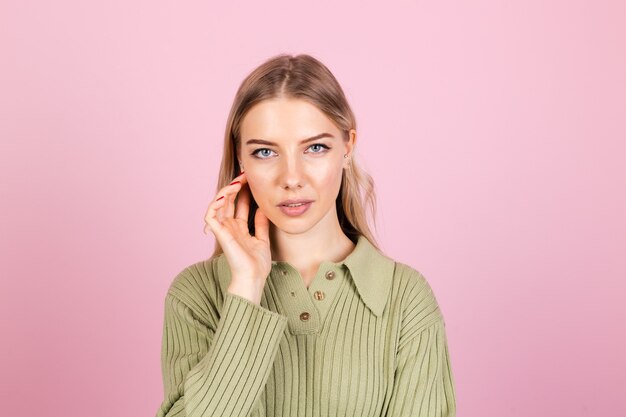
371 271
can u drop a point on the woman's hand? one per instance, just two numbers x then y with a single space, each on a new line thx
249 257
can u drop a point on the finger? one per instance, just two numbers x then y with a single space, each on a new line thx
206 216
212 214
241 211
242 177
218 211
243 203
221 227
261 226
233 189
226 194
229 207
236 182
221 233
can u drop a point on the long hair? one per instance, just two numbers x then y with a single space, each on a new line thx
301 77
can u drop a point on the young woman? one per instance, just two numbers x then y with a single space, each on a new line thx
297 312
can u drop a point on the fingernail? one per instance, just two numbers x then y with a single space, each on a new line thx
234 182
219 198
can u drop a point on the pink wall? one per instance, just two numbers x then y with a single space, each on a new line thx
504 123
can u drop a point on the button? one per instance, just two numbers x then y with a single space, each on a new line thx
284 272
293 294
319 295
330 274
304 316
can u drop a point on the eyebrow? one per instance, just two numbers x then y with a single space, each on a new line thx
267 142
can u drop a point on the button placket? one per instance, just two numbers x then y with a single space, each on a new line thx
303 316
325 287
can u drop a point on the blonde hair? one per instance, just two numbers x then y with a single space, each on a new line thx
301 77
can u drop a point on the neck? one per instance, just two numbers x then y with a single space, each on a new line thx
305 250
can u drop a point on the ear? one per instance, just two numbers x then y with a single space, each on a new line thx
238 157
350 144
351 141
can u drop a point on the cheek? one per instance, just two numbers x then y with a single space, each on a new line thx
330 182
258 190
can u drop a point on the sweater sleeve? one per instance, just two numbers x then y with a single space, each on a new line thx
424 385
217 369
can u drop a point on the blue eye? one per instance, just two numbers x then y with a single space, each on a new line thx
259 150
255 153
319 144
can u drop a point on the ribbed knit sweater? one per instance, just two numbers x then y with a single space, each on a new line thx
366 338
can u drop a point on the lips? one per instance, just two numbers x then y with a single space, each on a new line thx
297 201
296 211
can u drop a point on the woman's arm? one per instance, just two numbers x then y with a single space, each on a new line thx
217 369
424 385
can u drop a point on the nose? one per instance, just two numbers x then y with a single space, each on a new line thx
291 173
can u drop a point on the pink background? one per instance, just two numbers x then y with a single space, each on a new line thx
495 132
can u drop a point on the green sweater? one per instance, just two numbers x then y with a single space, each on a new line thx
367 338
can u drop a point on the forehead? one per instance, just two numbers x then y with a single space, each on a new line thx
285 119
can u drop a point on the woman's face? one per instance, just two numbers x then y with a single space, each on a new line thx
280 166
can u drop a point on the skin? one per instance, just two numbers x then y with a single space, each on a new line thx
290 169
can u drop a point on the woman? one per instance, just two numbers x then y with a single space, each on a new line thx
297 312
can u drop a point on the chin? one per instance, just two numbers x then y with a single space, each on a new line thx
292 225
